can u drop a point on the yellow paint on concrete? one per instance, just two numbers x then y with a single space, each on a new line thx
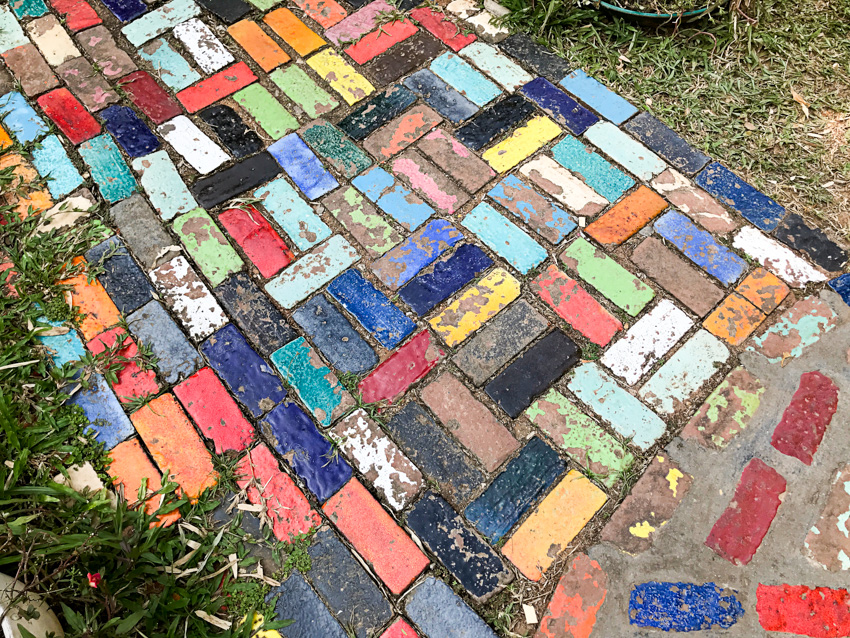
673 477
522 143
476 306
554 524
342 77
642 529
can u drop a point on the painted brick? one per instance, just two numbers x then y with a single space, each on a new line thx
360 218
334 336
402 369
753 507
197 149
163 185
261 243
763 290
256 316
358 23
399 629
577 599
61 348
796 233
108 170
442 28
700 247
123 280
575 306
429 181
380 109
176 357
52 162
535 57
506 239
437 455
87 84
101 47
841 285
326 12
727 410
130 468
78 14
803 610
302 166
401 132
778 259
30 69
694 202
296 601
12 34
250 379
553 525
739 195
287 508
601 99
674 274
174 445
465 79
97 310
341 153
734 319
317 386
312 271
456 160
229 182
498 66
129 130
66 213
149 97
799 327
231 130
159 21
683 606
692 366
372 531
171 67
341 76
804 422
423 247
131 381
294 32
228 11
664 141
468 558
826 543
207 246
293 214
69 115
202 44
30 200
303 91
28 8
627 217
438 611
622 148
522 143
581 437
627 416
560 106
126 10
446 100
266 111
216 87
188 298
393 198
525 479
389 325
104 412
376 42
597 172
558 182
482 24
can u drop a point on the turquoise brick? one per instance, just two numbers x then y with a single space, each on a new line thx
601 99
163 185
498 66
11 34
108 169
171 67
624 149
505 238
29 8
462 76
65 348
20 119
598 173
52 162
297 218
159 21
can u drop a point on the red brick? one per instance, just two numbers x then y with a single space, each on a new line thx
469 420
804 421
393 556
399 629
579 595
69 115
214 411
149 96
326 12
375 43
796 609
575 306
442 28
740 530
130 467
78 14
261 243
216 87
132 380
406 366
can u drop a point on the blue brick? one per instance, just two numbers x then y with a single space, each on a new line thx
173 69
123 280
129 130
371 308
334 336
126 10
841 285
597 172
731 190
525 479
108 168
65 348
302 165
563 109
448 276
683 606
297 602
297 439
104 411
598 97
392 197
251 380
506 239
177 358
664 141
52 162
700 247
493 121
440 96
440 613
469 82
343 582
376 112
469 559
403 263
20 119
551 222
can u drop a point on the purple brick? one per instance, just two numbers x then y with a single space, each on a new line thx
126 10
403 262
563 109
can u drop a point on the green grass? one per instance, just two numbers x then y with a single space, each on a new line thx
728 86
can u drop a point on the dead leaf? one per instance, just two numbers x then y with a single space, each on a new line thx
213 620
799 99
749 126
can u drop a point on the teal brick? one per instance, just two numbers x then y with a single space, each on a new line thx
29 8
52 162
108 168
461 75
339 151
297 218
65 348
171 67
163 185
159 21
597 172
498 66
624 149
504 237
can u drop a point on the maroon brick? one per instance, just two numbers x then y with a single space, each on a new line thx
470 171
101 47
87 84
150 97
804 421
30 69
410 363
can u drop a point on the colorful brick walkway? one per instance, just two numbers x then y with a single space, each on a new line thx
596 362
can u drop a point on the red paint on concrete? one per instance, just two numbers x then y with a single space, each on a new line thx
216 87
69 115
578 597
132 380
804 421
263 246
375 43
740 530
409 364
441 28
149 97
820 612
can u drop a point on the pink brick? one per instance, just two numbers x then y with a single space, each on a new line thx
214 411
216 87
804 421
132 380
409 364
261 243
358 23
442 28
399 629
469 420
375 43
393 556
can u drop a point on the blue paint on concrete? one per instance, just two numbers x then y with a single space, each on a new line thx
597 172
129 130
296 601
741 196
20 119
683 606
126 10
505 238
52 162
439 612
297 218
403 263
664 141
700 247
841 285
177 358
66 348
560 106
469 82
302 165
104 411
393 198
125 283
440 96
171 67
598 97
108 168
515 195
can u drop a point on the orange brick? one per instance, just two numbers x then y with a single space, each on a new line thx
130 466
93 301
175 445
35 200
294 32
5 140
763 289
258 44
627 217
554 524
325 12
734 319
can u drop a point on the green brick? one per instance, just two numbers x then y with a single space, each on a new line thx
607 276
332 144
266 110
581 437
301 89
361 219
207 245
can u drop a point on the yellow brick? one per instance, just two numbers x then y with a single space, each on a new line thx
342 77
476 306
554 524
522 143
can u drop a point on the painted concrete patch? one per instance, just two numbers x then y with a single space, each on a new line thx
683 606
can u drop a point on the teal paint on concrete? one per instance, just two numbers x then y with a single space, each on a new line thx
598 173
624 149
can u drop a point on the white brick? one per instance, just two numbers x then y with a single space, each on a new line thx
187 139
483 26
463 9
52 40
208 51
777 258
188 297
560 183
